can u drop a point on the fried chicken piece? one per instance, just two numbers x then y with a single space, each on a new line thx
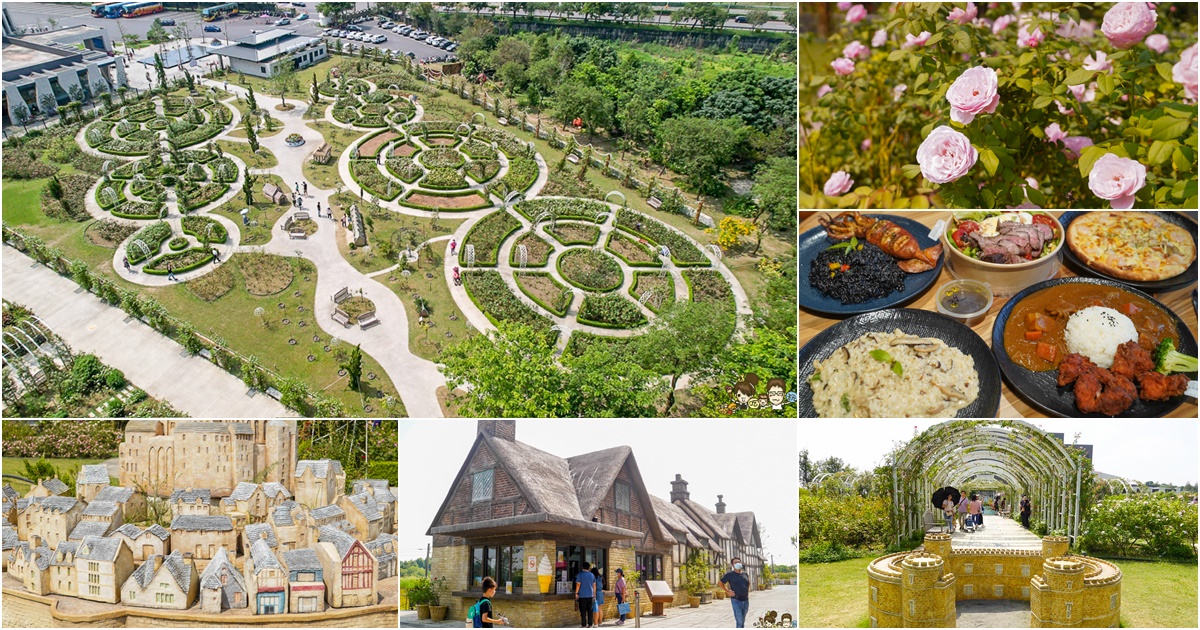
1101 391
1072 367
1131 360
1157 386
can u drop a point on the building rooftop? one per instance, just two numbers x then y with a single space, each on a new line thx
97 548
201 427
263 557
93 473
193 522
57 503
366 505
340 540
243 491
382 492
282 515
174 564
301 560
273 489
190 495
116 494
40 555
64 553
378 547
10 537
89 528
101 508
211 579
329 511
10 494
320 467
54 485
254 533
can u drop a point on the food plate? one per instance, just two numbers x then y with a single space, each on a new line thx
814 241
1041 389
1183 280
912 321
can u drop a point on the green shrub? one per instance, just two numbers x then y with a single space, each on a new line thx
1154 525
847 521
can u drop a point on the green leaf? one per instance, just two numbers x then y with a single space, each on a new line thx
896 367
937 37
1042 101
913 62
1035 196
1104 83
1183 159
1026 58
895 55
1160 151
1079 76
921 79
911 170
989 159
1024 84
961 42
881 355
894 22
1041 87
1088 157
1168 128
1166 71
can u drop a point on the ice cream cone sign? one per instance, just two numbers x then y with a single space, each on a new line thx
545 574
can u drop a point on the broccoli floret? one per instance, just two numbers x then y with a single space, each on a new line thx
1167 360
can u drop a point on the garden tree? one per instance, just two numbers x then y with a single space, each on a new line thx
513 76
730 231
353 367
21 114
251 102
251 135
762 101
637 118
248 187
477 6
701 14
284 80
54 188
47 104
316 93
425 15
758 17
698 148
595 9
684 340
161 71
807 471
575 100
335 10
38 470
510 50
775 192
789 15
156 33
76 93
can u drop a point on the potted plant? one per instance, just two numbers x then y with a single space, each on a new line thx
418 597
437 611
695 579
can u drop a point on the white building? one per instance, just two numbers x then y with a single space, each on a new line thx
262 53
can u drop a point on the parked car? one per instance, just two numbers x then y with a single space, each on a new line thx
282 22
167 22
446 45
360 37
406 30
302 16
212 28
352 27
452 48
378 39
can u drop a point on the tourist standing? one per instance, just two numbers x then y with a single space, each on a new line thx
948 513
585 592
1026 509
318 209
125 262
975 510
453 245
737 587
619 590
305 186
483 611
962 512
598 605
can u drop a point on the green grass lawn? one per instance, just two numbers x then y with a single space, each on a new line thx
262 159
23 210
303 80
16 466
325 176
265 213
834 595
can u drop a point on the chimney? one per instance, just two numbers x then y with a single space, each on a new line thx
679 491
157 562
720 504
500 429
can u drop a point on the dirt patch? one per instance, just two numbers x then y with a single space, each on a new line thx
403 150
108 233
285 108
544 288
212 285
265 274
439 142
372 146
574 234
633 251
465 201
539 249
356 306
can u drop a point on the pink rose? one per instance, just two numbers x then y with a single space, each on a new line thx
1184 72
838 184
963 17
842 66
842 6
1077 30
823 90
946 155
864 145
1084 93
856 13
919 40
1016 6
1002 23
973 92
1054 133
855 49
898 92
1075 145
879 39
1117 179
1100 63
1158 43
1025 39
1063 110
1032 183
1128 23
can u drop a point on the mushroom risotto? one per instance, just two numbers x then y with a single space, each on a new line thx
894 375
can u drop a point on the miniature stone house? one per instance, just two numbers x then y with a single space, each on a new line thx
145 543
290 523
8 493
10 541
202 535
62 570
920 589
168 582
384 550
222 585
8 512
306 584
191 502
318 482
25 516
89 528
247 498
102 566
91 480
132 504
364 513
48 488
256 532
53 518
30 564
106 512
348 569
266 580
275 494
382 493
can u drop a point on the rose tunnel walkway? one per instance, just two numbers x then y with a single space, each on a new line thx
998 532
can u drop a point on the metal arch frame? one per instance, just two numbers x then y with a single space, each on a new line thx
1017 451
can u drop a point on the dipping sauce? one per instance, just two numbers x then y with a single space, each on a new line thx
965 300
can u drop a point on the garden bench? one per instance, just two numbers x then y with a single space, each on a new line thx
205 353
297 235
274 393
654 202
367 320
341 317
342 295
503 121
301 216
572 158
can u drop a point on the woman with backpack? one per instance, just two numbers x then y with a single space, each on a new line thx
481 612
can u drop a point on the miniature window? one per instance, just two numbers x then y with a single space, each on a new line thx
481 486
621 490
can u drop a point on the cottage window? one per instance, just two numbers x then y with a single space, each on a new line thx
650 565
570 559
94 590
93 578
481 486
500 563
93 566
621 490
132 595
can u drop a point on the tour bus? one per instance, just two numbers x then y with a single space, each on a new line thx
100 8
219 11
138 9
115 10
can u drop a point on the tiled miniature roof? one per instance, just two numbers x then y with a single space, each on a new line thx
301 560
327 512
57 504
377 547
254 533
263 557
89 528
210 578
180 570
10 493
243 491
379 488
23 504
201 427
97 548
93 473
320 467
144 574
116 494
67 549
10 537
228 501
202 523
367 506
101 508
273 489
341 540
283 516
158 530
141 426
7 505
128 530
241 428
187 496
55 485
38 555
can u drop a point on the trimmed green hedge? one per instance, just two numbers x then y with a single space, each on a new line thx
683 252
199 258
559 312
488 235
197 225
610 311
617 234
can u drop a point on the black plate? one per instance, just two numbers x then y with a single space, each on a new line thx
814 241
1041 389
1185 279
913 322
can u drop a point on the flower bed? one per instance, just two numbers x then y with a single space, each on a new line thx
547 292
147 189
632 252
446 201
366 174
197 226
508 143
137 210
345 115
197 155
538 251
610 311
118 188
488 291
443 179
294 140
435 126
204 132
370 147
186 260
152 236
522 173
177 243
478 150
404 169
483 171
683 252
574 233
224 170
663 286
585 209
98 133
442 158
590 270
205 195
707 285
487 235
125 147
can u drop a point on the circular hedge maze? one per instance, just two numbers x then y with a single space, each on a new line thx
137 128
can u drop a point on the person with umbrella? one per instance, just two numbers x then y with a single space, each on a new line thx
948 509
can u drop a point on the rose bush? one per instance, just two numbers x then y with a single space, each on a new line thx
956 104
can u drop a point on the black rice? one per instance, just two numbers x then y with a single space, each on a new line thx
872 274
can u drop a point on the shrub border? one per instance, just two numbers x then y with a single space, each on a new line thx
558 266
196 265
512 262
362 187
536 300
499 243
655 264
583 320
637 276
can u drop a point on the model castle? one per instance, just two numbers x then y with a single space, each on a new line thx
251 527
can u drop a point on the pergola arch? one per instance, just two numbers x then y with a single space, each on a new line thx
1009 452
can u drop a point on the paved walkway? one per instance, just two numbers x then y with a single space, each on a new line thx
998 533
150 360
982 613
719 614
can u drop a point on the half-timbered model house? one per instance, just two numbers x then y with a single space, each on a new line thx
266 580
348 567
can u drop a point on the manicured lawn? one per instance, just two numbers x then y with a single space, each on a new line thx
16 466
303 80
262 159
428 342
265 213
23 210
386 226
834 595
326 175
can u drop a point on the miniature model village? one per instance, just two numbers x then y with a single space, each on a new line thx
293 543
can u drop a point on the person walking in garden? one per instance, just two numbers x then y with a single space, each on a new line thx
962 512
737 587
975 511
619 590
598 605
1026 510
125 262
948 513
170 272
305 186
483 606
585 592
453 245
318 209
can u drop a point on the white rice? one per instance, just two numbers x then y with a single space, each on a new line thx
1096 331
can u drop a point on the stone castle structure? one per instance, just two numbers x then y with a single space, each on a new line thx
159 456
921 588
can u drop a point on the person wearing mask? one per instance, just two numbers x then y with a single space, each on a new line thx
585 592
948 513
737 588
1026 510
485 618
598 605
619 589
